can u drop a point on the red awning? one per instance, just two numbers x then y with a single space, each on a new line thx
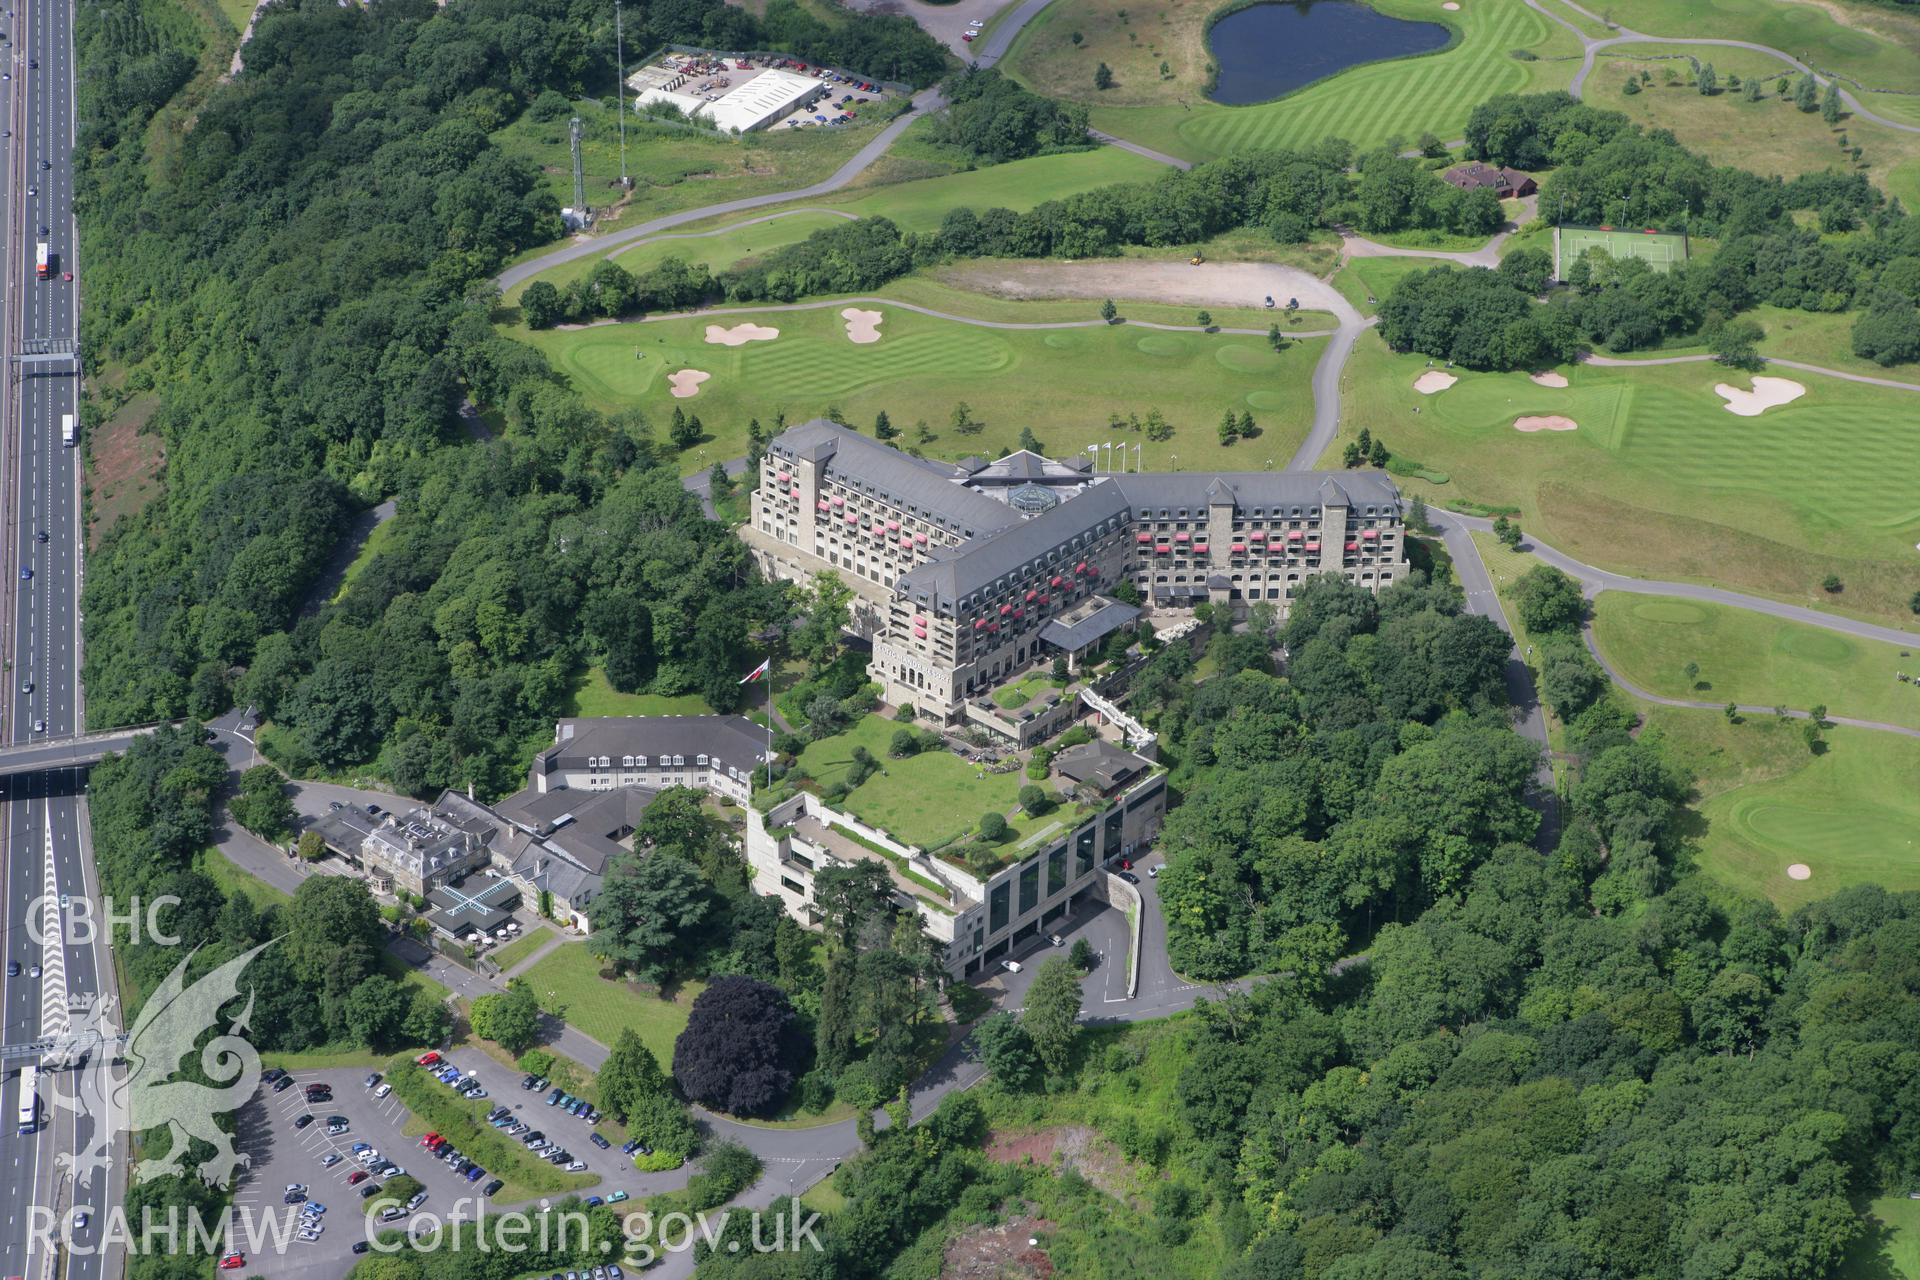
893 526
839 502
1369 534
824 505
1032 594
1179 537
1055 581
1258 535
906 543
1081 567
1294 535
979 624
785 476
1238 548
1043 597
1005 609
1353 546
1313 546
1200 548
920 538
1162 549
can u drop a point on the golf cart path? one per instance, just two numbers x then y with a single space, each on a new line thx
1487 255
1627 686
1593 45
1613 362
1593 581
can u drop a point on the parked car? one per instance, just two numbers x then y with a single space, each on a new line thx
302 1123
428 1058
383 1090
599 1141
357 1177
330 1159
419 1198
492 1187
616 1197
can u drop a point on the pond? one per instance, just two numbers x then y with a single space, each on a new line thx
1268 50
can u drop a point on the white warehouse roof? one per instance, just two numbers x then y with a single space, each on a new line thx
763 99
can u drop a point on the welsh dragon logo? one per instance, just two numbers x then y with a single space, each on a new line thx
148 1096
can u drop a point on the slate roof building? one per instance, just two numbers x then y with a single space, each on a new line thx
960 571
1504 182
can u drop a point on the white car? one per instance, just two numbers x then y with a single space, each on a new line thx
1011 966
976 24
1153 872
383 1091
296 1186
80 1219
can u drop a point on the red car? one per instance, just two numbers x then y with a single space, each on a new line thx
357 1177
428 1140
233 1262
428 1058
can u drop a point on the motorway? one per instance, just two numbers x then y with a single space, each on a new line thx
43 820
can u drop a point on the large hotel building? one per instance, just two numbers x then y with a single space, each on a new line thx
967 573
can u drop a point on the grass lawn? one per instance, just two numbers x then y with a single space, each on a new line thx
1505 566
1011 697
1890 1249
1770 136
1063 384
376 541
1750 658
220 869
570 978
593 696
924 800
675 168
1766 802
1660 481
237 12
1366 282
1365 105
951 289
520 948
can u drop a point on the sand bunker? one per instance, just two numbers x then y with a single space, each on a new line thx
1799 871
1537 379
687 382
1433 380
1553 422
740 334
862 326
1767 393
1450 6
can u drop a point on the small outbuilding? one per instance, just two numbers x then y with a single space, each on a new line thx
1503 182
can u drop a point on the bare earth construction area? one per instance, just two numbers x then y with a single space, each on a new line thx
1216 284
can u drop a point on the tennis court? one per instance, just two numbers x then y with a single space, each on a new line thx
1658 249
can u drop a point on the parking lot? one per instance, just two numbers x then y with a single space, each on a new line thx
282 1155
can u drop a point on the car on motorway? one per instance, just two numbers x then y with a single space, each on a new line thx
33 971
33 64
67 276
81 1218
31 191
25 573
45 165
13 968
39 726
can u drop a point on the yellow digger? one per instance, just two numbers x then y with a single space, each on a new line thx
1196 260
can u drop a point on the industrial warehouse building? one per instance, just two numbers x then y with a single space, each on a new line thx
766 98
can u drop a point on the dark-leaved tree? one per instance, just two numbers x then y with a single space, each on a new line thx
741 1049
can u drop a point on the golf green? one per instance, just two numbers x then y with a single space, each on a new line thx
1849 815
1064 385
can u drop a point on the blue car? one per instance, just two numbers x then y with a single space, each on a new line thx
476 1173
25 573
314 1206
553 1099
594 1202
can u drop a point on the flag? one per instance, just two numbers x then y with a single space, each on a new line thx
757 672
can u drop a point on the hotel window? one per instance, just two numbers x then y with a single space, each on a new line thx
1056 870
997 907
1029 887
